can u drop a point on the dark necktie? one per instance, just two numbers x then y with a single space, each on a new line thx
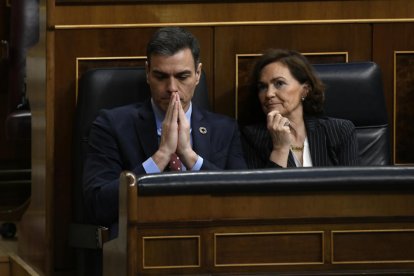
175 163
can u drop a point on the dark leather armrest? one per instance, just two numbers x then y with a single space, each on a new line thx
279 180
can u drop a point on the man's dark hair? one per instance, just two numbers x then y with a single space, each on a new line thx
169 40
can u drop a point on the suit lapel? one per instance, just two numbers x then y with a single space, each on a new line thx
317 142
312 134
146 129
201 133
291 160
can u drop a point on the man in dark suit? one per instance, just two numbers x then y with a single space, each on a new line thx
144 138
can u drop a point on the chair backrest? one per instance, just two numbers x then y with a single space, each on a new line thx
354 91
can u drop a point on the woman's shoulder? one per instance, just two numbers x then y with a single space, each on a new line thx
333 121
253 128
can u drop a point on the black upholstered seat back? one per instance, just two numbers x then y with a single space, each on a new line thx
354 91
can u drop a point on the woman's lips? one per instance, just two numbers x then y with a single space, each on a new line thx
272 104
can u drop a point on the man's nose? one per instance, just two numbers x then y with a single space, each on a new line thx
172 85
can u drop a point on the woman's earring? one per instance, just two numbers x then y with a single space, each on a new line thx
303 99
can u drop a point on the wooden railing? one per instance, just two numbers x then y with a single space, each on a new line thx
311 221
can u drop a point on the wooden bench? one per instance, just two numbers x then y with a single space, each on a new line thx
312 221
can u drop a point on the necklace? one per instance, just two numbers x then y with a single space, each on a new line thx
297 148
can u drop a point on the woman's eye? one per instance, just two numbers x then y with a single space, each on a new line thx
278 84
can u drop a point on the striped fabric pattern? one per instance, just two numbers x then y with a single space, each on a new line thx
332 142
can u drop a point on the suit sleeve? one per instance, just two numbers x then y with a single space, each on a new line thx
348 149
102 169
342 142
227 155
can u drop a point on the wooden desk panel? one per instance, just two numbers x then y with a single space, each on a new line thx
332 231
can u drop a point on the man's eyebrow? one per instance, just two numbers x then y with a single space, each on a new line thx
161 73
184 72
155 71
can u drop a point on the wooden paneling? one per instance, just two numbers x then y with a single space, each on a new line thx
4 265
350 232
374 205
13 265
269 248
389 39
177 252
386 246
18 267
225 12
354 39
403 102
35 236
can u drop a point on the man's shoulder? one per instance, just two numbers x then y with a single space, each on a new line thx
123 108
122 111
119 116
217 117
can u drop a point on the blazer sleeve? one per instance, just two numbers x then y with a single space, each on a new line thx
343 143
256 147
102 168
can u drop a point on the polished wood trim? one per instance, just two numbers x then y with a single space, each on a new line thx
230 23
160 1
20 267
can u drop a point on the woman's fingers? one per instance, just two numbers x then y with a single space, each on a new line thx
276 121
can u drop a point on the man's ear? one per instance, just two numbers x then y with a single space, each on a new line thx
198 72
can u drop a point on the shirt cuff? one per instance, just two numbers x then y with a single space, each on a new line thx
198 164
150 166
